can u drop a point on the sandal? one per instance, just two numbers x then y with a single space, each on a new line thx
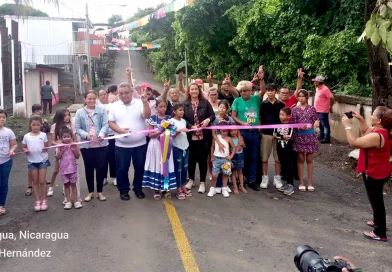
187 193
2 211
235 189
302 188
166 194
101 197
181 195
29 191
310 188
157 196
242 188
371 224
372 236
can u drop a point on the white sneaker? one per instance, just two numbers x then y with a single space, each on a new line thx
78 205
218 190
65 201
264 182
105 181
68 206
228 189
50 191
212 192
190 184
114 182
278 181
202 188
225 192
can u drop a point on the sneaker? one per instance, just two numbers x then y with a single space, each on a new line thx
190 184
37 206
114 182
283 188
65 201
225 192
278 181
289 190
264 182
105 181
44 205
78 205
228 189
202 188
218 190
50 191
212 192
68 206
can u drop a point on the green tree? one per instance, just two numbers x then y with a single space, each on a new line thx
115 20
13 9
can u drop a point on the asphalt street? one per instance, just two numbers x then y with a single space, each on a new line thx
255 232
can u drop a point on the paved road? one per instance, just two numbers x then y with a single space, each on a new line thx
255 232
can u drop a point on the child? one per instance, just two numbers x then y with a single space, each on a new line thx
8 146
36 109
286 154
66 156
180 151
153 168
35 145
238 161
221 161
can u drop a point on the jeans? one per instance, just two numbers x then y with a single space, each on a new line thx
5 170
325 130
94 159
180 159
111 159
45 103
124 156
374 189
251 152
198 153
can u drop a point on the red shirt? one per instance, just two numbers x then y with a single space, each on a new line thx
291 102
379 166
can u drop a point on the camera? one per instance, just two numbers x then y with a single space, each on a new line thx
308 260
349 114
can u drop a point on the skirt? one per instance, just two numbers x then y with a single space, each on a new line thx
307 143
153 168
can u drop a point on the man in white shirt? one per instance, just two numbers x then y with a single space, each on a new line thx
125 116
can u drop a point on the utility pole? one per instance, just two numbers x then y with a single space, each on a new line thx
186 66
88 46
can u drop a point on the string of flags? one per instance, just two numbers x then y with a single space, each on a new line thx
133 46
160 13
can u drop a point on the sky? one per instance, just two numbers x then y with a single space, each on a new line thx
99 10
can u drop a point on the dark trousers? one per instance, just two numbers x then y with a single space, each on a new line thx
5 170
180 159
94 159
198 154
374 189
325 130
45 103
251 153
111 159
124 157
288 162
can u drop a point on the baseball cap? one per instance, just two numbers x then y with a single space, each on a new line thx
318 79
253 85
199 82
145 86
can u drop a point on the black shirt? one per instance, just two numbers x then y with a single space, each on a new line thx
269 114
230 97
169 109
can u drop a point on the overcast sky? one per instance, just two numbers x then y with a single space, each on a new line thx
99 10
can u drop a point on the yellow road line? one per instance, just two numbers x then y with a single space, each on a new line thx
187 257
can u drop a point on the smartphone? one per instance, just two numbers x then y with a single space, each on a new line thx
349 114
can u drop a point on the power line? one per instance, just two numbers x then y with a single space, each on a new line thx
71 8
45 45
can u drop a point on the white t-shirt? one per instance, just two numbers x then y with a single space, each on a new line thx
181 140
129 116
35 144
6 135
217 152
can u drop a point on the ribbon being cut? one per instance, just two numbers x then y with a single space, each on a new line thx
166 140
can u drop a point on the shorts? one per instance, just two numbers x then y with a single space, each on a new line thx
38 165
217 165
238 161
69 178
267 146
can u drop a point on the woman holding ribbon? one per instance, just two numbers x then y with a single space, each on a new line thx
199 113
92 125
305 139
159 172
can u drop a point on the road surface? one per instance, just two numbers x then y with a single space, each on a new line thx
255 232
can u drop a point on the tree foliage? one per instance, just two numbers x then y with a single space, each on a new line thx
236 36
115 20
13 9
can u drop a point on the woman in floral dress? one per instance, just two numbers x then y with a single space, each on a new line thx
305 139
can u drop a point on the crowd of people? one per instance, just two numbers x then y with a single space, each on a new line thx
228 158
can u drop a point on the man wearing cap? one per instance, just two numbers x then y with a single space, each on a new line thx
227 91
323 103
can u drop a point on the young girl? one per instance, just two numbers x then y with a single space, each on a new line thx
7 151
180 151
153 169
238 161
221 159
286 154
66 156
35 145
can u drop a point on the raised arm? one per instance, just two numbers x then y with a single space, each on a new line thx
86 84
146 107
209 79
300 76
129 76
181 86
232 89
166 88
260 75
